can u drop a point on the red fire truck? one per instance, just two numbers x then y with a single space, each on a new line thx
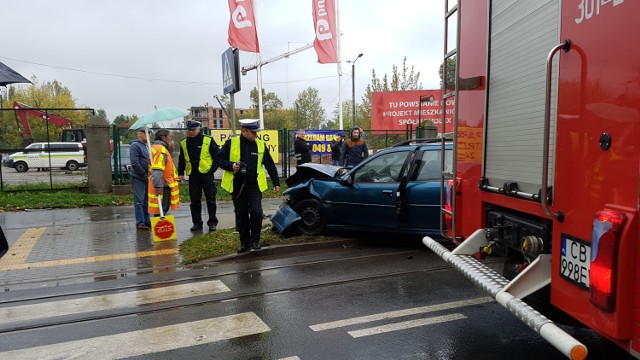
547 171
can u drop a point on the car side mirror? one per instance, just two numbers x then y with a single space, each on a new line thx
346 180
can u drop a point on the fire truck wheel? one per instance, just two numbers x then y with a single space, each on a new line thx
313 219
21 166
72 165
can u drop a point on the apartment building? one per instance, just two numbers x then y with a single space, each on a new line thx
213 118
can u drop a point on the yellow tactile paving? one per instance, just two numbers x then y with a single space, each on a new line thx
19 251
15 258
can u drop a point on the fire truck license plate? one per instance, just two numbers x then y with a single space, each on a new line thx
575 261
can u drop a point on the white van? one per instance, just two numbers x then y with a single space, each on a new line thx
65 155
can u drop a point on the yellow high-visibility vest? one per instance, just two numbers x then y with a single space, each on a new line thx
234 156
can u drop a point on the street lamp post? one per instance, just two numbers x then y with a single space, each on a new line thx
353 86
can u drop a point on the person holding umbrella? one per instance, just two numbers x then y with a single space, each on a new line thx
163 179
198 155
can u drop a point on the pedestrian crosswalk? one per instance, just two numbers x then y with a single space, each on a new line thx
178 331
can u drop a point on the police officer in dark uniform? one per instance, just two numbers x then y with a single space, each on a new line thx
198 154
242 158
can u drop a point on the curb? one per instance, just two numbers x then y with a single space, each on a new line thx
283 250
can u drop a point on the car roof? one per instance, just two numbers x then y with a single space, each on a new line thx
57 143
422 143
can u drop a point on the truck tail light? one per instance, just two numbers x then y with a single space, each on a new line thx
607 225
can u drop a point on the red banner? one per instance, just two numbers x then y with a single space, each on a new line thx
242 26
395 110
324 21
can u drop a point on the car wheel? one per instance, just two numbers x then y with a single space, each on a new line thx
72 165
21 166
313 219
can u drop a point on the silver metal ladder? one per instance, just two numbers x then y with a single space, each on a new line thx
449 92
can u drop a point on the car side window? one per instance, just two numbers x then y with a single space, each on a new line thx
430 165
384 168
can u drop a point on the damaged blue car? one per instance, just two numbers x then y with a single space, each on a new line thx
397 190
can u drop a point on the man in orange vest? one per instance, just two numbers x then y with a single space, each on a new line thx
163 178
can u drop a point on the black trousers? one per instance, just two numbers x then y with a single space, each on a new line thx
248 209
199 184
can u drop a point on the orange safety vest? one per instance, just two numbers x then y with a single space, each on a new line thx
162 160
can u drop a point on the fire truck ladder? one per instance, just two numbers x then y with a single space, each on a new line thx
449 91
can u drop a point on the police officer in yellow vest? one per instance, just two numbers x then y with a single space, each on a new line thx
242 158
198 155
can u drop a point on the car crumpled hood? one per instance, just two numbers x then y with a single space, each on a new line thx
313 171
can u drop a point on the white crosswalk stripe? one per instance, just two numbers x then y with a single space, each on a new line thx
405 325
399 313
109 302
148 341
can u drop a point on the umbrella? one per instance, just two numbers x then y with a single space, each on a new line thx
9 76
156 116
159 115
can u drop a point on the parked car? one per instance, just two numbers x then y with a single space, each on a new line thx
64 155
124 161
396 190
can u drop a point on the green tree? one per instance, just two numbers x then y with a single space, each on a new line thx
122 119
347 117
270 101
40 95
103 114
309 111
451 71
123 122
279 119
407 79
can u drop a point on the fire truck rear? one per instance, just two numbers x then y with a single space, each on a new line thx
547 176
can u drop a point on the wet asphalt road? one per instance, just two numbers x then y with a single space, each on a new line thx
356 299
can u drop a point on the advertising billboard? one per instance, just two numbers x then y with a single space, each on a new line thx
395 110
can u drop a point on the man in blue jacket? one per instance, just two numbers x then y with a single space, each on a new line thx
139 156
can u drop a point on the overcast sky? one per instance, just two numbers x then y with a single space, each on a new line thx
125 56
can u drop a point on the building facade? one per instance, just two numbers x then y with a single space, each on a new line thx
211 117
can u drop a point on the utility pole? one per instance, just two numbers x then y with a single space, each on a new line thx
353 86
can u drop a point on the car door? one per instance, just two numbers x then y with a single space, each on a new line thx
370 201
35 155
423 191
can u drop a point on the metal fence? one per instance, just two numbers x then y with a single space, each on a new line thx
376 140
50 177
45 165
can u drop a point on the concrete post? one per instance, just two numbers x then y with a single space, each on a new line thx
98 155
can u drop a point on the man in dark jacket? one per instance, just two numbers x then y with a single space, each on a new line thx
139 157
354 150
198 154
336 149
301 148
244 159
